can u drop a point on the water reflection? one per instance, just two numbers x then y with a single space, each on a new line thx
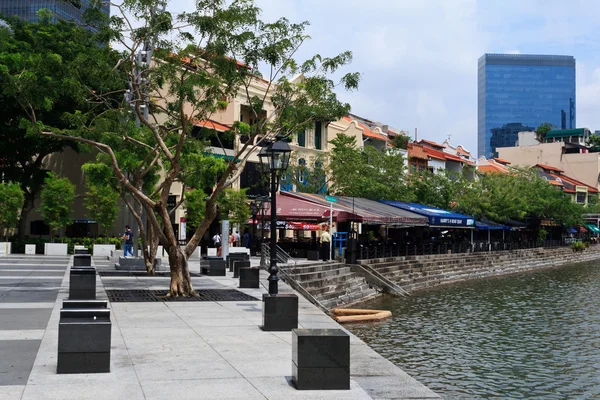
534 335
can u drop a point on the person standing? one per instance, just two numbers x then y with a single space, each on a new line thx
217 241
236 237
325 244
128 237
247 239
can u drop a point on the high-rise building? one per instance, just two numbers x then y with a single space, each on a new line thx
522 89
68 10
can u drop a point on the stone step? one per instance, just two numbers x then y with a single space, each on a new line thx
317 275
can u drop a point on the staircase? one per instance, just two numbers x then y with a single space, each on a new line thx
417 272
332 284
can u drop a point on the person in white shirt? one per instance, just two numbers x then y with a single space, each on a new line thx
325 245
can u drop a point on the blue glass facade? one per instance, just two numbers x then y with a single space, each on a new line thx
62 9
522 89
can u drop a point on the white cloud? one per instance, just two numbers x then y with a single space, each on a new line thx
419 58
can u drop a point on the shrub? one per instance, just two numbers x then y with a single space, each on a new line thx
578 246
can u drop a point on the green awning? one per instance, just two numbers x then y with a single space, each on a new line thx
593 228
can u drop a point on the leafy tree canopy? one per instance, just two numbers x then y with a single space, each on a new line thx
57 202
11 201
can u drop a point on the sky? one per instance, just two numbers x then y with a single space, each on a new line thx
418 58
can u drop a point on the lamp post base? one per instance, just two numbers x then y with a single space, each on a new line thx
280 312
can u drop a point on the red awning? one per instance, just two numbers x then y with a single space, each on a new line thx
294 209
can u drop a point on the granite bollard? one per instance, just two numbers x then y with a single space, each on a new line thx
84 337
321 359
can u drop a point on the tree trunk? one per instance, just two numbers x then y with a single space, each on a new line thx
150 255
181 284
27 207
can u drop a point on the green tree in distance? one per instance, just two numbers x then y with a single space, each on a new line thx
11 201
101 202
543 129
186 82
57 202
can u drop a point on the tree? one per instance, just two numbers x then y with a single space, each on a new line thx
191 76
57 202
434 189
11 201
367 172
101 202
401 141
543 129
46 69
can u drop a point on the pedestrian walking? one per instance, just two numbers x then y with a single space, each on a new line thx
217 241
236 238
128 237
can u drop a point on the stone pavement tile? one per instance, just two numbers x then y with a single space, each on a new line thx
27 305
149 321
209 321
26 334
367 362
11 392
16 360
203 389
261 358
84 391
192 313
382 387
28 296
158 339
239 332
153 367
18 318
280 387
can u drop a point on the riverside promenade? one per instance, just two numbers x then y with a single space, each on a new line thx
168 350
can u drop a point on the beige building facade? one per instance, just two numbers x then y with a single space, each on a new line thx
584 167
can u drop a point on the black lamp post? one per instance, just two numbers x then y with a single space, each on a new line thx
274 158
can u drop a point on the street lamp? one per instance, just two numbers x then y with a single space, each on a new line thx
274 159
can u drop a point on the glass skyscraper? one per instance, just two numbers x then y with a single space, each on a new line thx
68 10
525 90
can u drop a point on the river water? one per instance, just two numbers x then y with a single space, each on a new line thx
532 335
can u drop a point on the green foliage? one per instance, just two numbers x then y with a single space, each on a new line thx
11 201
401 141
101 202
195 207
47 69
234 204
543 129
578 246
368 172
57 202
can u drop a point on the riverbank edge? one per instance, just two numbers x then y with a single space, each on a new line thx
416 273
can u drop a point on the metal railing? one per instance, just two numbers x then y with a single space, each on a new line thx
388 250
265 255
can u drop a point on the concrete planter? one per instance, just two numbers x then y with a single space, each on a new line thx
103 250
30 249
55 249
5 248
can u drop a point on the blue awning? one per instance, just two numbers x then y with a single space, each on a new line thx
436 216
490 226
571 230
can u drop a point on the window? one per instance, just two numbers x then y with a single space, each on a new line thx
318 133
302 138
301 175
581 197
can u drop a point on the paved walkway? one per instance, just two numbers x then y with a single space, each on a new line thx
167 350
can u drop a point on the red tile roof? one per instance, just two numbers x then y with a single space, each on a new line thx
502 161
440 155
493 168
210 124
367 131
430 143
573 182
549 168
416 151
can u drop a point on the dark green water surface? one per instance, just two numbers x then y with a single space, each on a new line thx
534 335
